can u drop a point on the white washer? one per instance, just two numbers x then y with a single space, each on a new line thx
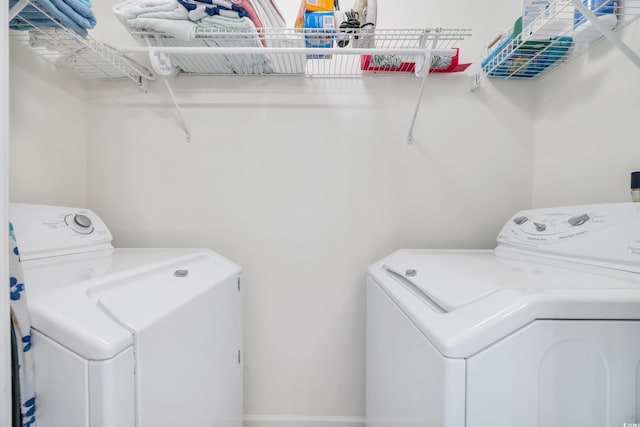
542 332
128 337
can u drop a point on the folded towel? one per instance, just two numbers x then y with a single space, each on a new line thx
241 64
271 17
224 3
197 10
73 14
130 9
268 13
171 17
203 11
167 17
251 12
202 64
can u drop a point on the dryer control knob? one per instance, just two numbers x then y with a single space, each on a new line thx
82 221
521 220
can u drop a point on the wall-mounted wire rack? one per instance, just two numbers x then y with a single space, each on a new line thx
566 30
264 51
288 51
84 56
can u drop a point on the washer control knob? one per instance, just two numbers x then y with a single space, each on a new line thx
540 227
82 221
577 221
79 223
521 220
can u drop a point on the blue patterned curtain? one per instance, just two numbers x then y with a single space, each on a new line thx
22 327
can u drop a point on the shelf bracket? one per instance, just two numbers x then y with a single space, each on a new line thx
17 8
162 65
606 31
415 112
160 62
183 123
422 70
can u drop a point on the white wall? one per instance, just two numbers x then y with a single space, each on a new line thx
586 131
303 182
307 182
5 348
48 132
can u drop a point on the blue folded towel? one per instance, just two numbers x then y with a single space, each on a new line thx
192 5
73 14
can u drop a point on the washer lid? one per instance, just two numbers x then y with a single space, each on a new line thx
76 300
139 302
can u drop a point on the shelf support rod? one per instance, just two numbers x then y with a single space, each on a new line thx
415 112
423 72
17 8
617 42
164 68
183 123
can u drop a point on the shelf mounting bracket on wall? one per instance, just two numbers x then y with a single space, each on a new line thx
183 123
289 51
423 84
162 65
422 71
606 31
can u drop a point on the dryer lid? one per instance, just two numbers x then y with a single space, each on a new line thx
464 301
450 280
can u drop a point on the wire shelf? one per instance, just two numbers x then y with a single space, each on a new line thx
85 56
557 36
287 51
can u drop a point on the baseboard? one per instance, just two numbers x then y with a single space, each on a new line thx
297 421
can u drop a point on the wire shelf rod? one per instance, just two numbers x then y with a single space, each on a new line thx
613 38
17 8
195 50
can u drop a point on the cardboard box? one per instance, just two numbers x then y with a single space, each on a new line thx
320 5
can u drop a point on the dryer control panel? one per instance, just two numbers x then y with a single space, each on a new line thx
608 232
45 231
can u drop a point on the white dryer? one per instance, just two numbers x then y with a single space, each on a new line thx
128 337
543 331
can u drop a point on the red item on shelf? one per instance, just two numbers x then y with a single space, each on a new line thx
399 64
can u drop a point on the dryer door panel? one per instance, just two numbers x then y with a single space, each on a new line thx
555 374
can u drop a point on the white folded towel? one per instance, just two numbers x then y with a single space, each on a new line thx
162 16
245 36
